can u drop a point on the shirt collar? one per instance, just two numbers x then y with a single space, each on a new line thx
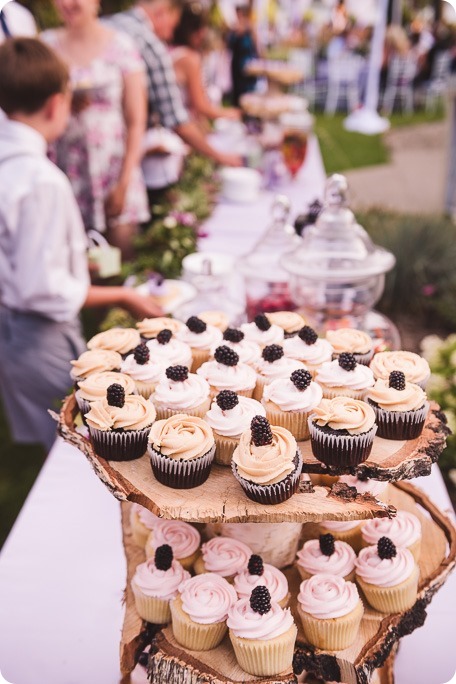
18 132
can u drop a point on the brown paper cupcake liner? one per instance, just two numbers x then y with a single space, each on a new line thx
274 493
192 635
199 356
266 657
126 445
400 424
294 421
181 473
395 599
341 450
150 608
333 634
224 449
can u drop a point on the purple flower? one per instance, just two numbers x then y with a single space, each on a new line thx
202 234
428 290
185 218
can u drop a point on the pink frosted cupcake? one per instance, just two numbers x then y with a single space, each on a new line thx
167 348
121 340
184 539
224 556
344 377
307 347
262 331
144 370
259 574
326 556
142 522
273 365
226 372
348 531
415 368
366 486
201 338
356 342
248 351
179 391
151 327
95 361
404 530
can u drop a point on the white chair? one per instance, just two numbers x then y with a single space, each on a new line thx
437 86
343 80
399 86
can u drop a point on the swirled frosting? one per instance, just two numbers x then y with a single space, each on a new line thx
274 335
328 596
163 584
247 350
95 361
349 340
289 321
235 421
272 578
211 337
182 437
184 539
268 464
384 572
217 319
180 395
333 375
313 354
150 327
174 353
147 518
341 562
404 530
340 525
136 413
151 371
121 340
343 413
415 368
225 556
284 394
207 598
235 378
374 487
281 368
94 387
247 624
391 399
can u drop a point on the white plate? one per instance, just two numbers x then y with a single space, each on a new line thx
184 292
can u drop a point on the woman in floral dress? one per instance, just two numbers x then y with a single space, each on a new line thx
101 149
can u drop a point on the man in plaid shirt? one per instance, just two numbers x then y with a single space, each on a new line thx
151 24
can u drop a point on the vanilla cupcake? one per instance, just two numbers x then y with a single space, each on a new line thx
327 556
348 531
331 611
343 377
262 331
229 416
200 611
223 556
144 370
289 401
95 361
94 387
248 351
356 342
387 576
290 321
367 486
267 462
307 347
179 391
226 372
262 633
400 407
155 583
121 340
142 522
181 450
201 338
184 539
167 348
415 368
273 365
150 327
216 319
404 530
262 574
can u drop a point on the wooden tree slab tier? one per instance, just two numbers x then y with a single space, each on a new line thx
377 639
220 498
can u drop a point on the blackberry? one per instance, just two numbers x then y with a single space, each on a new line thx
261 431
273 352
115 395
301 379
262 322
397 380
314 211
308 335
141 354
347 361
177 373
164 336
233 335
255 565
386 548
327 544
227 400
196 325
226 356
260 600
163 558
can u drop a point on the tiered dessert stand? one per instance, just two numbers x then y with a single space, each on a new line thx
221 500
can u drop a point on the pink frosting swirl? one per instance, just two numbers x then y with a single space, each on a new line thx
207 598
174 353
374 487
340 525
235 421
235 378
272 578
313 561
384 572
404 530
247 350
328 596
145 516
184 539
225 556
284 394
281 368
163 584
274 335
313 354
247 624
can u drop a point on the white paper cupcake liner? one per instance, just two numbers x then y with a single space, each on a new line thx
274 493
400 424
340 450
181 473
126 445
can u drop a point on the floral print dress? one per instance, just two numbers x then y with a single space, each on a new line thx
92 149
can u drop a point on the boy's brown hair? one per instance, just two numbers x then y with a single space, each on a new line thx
30 72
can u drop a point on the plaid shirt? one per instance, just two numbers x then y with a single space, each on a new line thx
165 99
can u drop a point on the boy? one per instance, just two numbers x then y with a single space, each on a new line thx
44 280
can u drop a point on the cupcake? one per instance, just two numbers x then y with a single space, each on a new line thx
96 361
200 610
155 583
330 610
262 331
184 539
181 392
262 574
415 368
367 486
94 387
342 431
146 372
356 342
326 556
229 416
262 633
404 531
307 347
119 425
142 522
343 377
267 463
121 340
216 319
248 351
348 531
201 338
400 407
290 321
181 451
223 556
167 348
226 372
150 327
273 365
387 576
289 401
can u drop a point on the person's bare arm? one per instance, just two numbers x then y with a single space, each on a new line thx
191 65
125 297
191 134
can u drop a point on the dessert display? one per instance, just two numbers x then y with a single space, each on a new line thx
262 331
227 372
94 387
259 574
223 556
326 556
271 365
356 342
307 347
404 530
144 370
248 351
167 348
179 391
201 338
415 368
184 540
344 377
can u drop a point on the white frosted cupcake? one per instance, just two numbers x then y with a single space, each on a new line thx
184 539
95 361
273 364
226 372
121 340
356 342
181 392
142 522
404 530
262 331
307 347
348 531
248 351
167 348
415 368
291 322
145 371
367 486
94 387
259 574
344 377
327 556
150 327
224 556
201 338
